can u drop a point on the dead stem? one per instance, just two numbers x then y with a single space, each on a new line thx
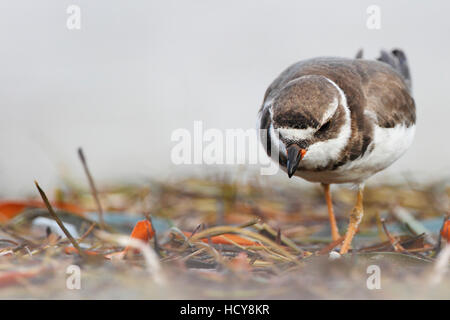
92 186
215 231
288 242
332 245
88 231
397 246
58 221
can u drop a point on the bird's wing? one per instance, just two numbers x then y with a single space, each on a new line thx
388 99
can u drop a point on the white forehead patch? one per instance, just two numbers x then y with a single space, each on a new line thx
296 134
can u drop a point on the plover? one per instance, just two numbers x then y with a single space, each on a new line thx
340 120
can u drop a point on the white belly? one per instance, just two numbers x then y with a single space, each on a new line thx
387 146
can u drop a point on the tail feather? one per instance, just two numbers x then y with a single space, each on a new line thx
359 54
397 60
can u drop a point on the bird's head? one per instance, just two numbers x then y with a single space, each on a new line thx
308 115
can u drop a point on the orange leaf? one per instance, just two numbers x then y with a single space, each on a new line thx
9 209
228 238
445 233
69 207
143 231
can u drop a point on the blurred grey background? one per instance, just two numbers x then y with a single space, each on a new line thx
137 70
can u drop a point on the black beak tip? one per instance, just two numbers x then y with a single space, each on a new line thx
293 158
290 171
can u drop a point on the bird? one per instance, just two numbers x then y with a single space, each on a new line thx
332 120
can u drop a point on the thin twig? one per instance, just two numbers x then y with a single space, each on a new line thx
250 223
397 246
187 240
58 221
93 188
215 231
291 244
278 238
89 230
332 245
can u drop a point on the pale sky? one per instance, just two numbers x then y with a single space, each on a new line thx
138 70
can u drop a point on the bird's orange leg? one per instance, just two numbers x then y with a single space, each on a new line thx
334 229
355 219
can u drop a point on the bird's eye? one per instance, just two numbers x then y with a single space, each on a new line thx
324 127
